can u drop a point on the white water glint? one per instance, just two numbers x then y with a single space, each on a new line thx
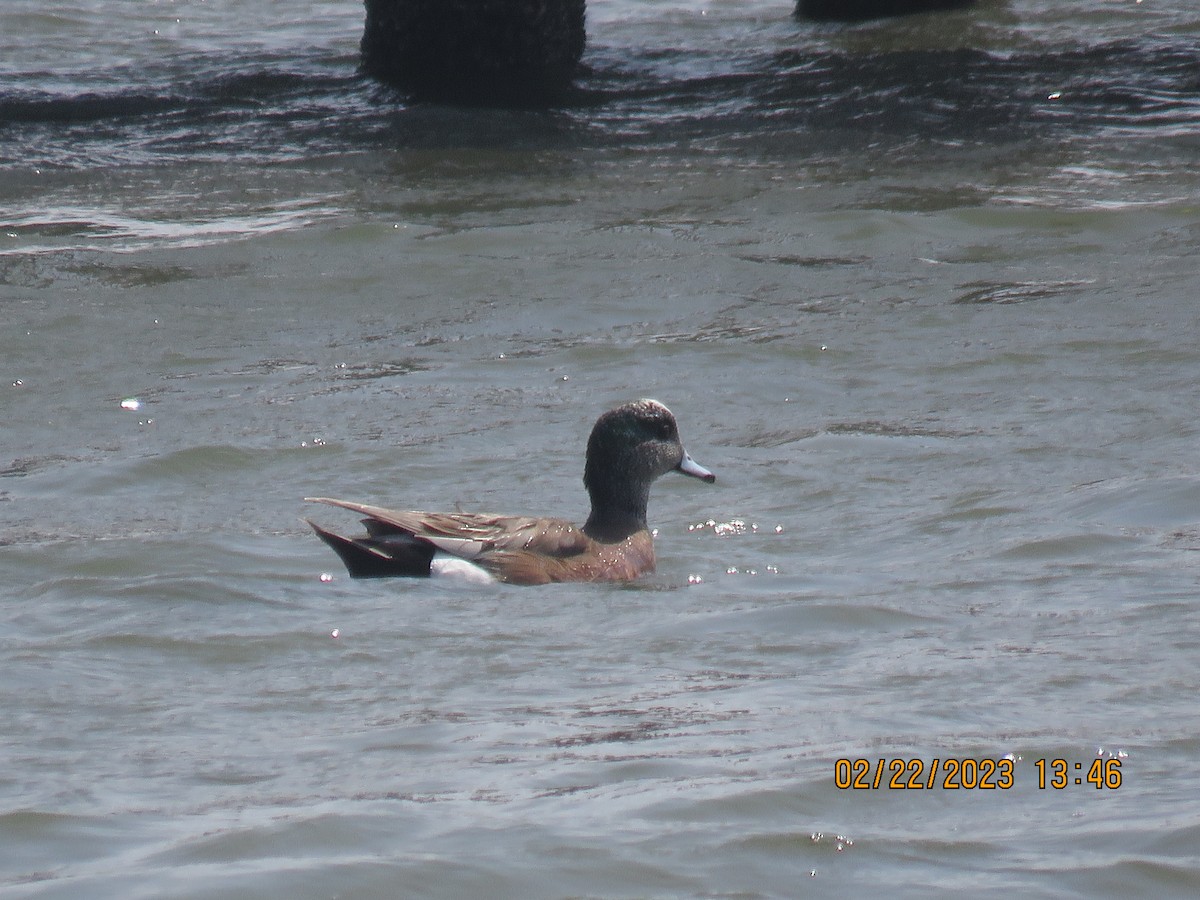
58 229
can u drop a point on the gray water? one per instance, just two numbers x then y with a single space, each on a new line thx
922 293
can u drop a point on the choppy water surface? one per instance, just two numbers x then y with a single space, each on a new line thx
921 292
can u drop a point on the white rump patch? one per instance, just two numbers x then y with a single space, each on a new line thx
455 568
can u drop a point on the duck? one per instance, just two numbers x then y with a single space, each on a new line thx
629 448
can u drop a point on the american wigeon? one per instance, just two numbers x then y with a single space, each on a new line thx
629 448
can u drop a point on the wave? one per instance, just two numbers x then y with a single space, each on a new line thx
957 93
281 107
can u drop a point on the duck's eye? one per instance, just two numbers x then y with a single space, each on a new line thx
664 429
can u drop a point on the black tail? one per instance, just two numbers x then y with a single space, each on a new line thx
386 556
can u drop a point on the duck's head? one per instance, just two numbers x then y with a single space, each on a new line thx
629 448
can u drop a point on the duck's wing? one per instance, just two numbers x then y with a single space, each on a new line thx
472 535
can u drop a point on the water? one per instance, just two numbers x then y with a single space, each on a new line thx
921 292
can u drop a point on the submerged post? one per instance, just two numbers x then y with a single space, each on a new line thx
475 51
